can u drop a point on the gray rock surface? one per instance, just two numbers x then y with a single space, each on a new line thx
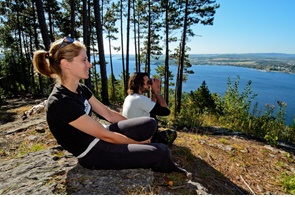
108 182
35 173
54 171
44 173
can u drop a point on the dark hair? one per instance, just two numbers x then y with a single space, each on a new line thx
136 82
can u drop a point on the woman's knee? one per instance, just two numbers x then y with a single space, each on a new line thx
163 150
148 125
149 122
144 123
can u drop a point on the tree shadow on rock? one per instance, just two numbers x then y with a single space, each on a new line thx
6 117
17 103
83 181
203 173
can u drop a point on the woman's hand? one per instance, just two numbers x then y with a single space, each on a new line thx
156 86
146 141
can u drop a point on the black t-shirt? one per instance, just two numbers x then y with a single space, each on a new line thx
64 107
160 111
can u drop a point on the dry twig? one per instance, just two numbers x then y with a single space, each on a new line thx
247 185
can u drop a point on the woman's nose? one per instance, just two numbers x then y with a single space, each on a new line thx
89 64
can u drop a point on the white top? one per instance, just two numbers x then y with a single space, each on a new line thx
137 105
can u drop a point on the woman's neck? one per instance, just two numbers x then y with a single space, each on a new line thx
70 86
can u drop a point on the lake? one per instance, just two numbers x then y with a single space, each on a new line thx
270 86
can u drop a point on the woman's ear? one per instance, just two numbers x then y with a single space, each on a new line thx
64 63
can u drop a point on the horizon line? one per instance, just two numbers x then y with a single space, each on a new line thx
221 53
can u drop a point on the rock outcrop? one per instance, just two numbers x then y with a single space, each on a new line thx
54 171
45 173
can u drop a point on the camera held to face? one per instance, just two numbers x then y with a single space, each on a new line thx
150 81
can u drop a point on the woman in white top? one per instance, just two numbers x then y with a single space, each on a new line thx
136 104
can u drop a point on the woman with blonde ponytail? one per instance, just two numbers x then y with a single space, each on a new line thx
121 145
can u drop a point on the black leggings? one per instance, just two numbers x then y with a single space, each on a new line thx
156 156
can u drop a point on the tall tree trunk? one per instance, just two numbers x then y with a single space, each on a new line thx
36 41
26 62
127 47
148 53
42 23
138 42
102 62
44 33
73 9
50 23
19 48
122 47
135 37
112 71
181 63
177 85
86 39
166 69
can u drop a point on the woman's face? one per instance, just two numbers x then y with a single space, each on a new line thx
146 85
80 66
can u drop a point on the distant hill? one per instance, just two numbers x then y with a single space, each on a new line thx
279 62
246 55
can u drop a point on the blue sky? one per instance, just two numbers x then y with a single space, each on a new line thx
243 26
248 26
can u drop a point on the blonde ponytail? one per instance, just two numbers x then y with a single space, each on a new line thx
41 63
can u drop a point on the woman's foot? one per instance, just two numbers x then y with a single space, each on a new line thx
188 175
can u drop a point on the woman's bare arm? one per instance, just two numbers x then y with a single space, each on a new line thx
94 128
101 109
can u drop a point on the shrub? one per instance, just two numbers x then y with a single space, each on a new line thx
234 111
235 106
201 100
195 106
289 183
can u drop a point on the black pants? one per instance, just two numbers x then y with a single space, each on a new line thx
156 156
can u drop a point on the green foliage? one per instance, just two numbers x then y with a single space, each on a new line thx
201 100
27 147
13 69
236 108
116 92
272 128
160 70
2 95
177 57
289 183
291 132
194 106
233 112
